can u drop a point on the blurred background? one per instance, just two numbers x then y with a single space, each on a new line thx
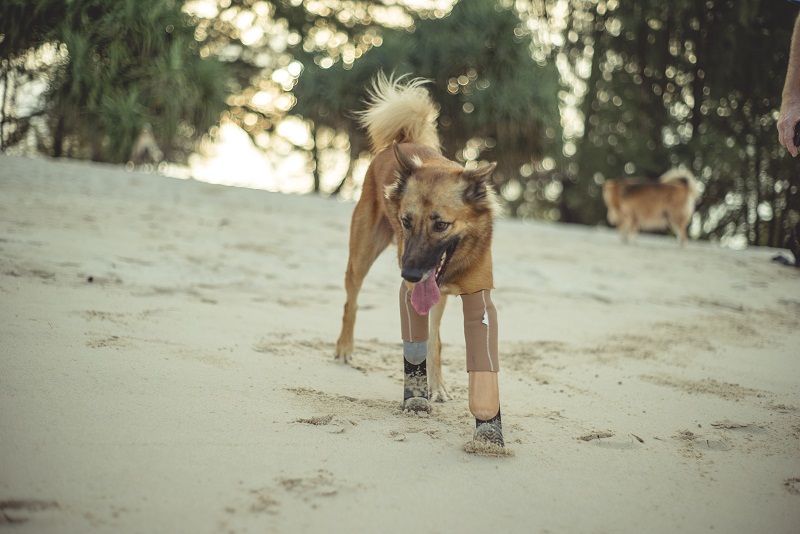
563 94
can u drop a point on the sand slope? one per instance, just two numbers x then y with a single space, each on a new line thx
166 366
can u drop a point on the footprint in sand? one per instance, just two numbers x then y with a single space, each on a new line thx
692 441
332 424
106 341
793 485
309 489
17 511
607 440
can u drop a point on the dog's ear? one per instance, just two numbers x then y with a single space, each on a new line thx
407 166
476 193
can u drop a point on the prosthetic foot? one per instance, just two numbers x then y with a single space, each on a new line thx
414 329
480 334
415 391
490 431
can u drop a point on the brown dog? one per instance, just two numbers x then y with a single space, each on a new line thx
635 204
441 217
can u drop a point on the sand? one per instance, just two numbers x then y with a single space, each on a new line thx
166 365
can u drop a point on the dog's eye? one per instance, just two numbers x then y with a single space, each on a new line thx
440 226
406 222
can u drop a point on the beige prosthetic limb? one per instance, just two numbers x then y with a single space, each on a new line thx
484 395
414 330
480 335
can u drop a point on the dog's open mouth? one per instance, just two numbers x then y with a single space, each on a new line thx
426 292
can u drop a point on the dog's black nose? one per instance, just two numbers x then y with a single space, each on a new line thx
411 275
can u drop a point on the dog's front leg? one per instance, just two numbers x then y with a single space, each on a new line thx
438 392
480 334
414 330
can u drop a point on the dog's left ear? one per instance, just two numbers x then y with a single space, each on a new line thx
477 187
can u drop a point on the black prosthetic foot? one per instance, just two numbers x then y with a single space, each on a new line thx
415 392
490 431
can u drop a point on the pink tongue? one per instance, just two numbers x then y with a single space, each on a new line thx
425 295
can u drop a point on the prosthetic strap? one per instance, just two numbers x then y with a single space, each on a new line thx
414 330
480 331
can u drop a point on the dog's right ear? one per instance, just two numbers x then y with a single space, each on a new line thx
407 165
405 169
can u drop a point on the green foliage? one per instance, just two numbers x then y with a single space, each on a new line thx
145 56
687 84
284 30
496 102
26 24
127 63
655 84
640 87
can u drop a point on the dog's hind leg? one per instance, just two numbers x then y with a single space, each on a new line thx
679 225
623 223
368 238
628 229
680 231
435 382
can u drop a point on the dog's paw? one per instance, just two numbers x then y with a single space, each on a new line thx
343 352
342 357
438 393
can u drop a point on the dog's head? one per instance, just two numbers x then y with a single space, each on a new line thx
442 214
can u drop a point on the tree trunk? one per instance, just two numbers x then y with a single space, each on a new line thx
3 110
58 137
315 161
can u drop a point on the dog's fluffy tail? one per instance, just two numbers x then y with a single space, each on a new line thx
400 111
684 175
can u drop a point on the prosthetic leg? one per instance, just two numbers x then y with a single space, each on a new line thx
480 335
414 329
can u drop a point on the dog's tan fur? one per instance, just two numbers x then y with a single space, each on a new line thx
635 204
423 201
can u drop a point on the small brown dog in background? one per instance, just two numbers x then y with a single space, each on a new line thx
635 204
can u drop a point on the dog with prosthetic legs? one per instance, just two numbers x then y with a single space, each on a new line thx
441 215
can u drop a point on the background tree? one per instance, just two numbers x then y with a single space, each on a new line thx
117 66
564 94
113 66
261 40
685 83
496 101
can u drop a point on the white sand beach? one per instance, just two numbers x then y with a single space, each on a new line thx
166 366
